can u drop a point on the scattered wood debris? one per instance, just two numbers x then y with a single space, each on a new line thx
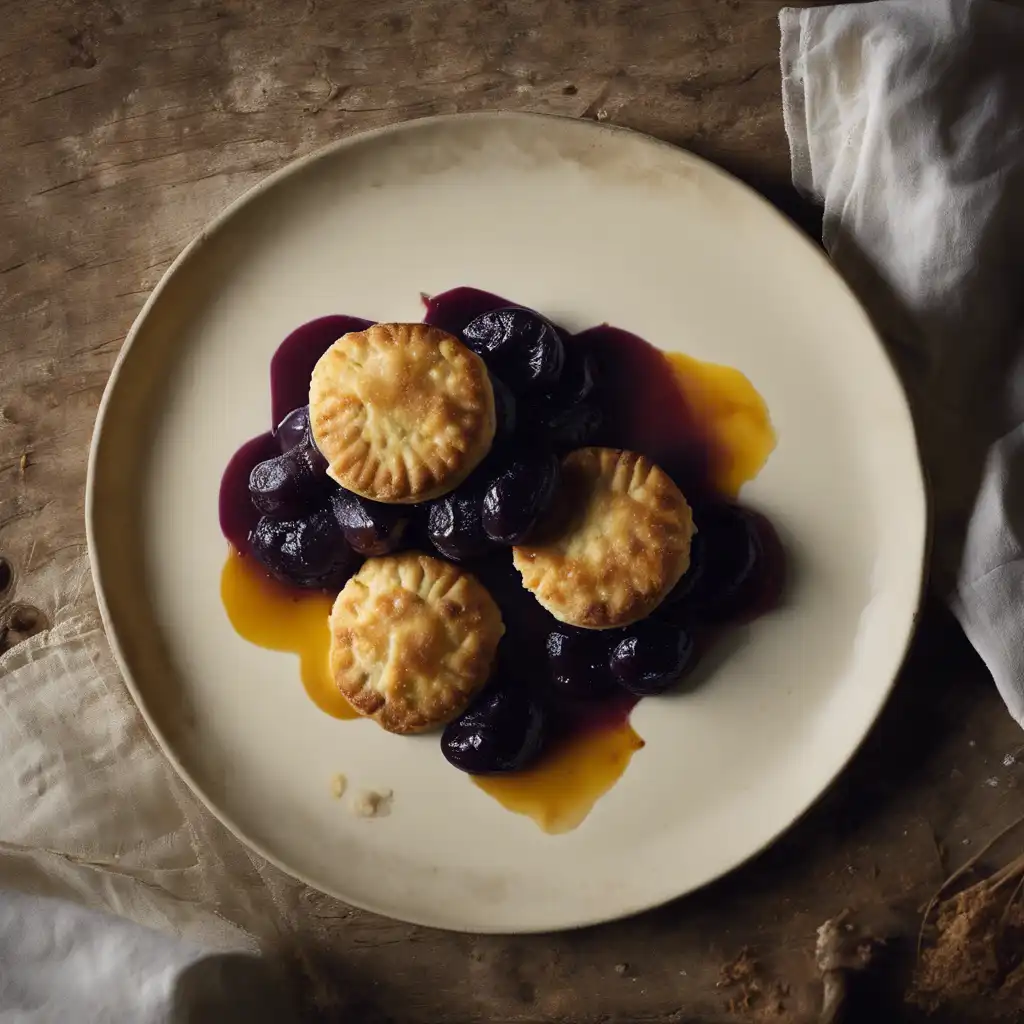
974 950
751 994
842 952
739 970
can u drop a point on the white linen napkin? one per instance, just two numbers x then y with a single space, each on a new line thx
92 815
906 121
62 964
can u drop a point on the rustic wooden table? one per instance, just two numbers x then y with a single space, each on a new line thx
126 126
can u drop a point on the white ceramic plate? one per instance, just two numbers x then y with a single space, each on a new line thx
587 223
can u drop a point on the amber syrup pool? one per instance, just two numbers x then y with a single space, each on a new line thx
704 424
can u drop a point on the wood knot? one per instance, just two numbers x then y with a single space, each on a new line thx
20 621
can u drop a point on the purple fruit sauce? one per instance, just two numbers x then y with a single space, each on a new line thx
290 370
645 411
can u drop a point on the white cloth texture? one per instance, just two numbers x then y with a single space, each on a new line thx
90 810
906 122
93 814
62 964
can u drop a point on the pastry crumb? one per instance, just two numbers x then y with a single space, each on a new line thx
338 786
371 803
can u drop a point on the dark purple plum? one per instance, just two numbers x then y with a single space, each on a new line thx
520 346
519 495
455 524
276 485
576 427
577 384
728 558
291 483
308 552
569 416
505 410
676 606
370 527
503 730
579 660
293 428
314 457
651 657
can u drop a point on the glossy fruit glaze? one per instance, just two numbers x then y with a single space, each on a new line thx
703 423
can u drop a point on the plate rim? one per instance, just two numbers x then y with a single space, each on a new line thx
921 496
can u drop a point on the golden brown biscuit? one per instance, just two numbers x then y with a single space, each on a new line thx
616 542
402 412
412 640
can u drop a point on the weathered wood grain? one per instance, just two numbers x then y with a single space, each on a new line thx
125 126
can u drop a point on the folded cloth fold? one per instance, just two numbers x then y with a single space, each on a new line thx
906 121
93 813
60 962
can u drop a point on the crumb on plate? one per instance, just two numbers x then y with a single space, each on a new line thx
371 803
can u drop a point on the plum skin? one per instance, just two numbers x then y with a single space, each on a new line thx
579 661
519 495
523 348
651 657
502 731
309 552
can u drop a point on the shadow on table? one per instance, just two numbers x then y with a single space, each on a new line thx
941 685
